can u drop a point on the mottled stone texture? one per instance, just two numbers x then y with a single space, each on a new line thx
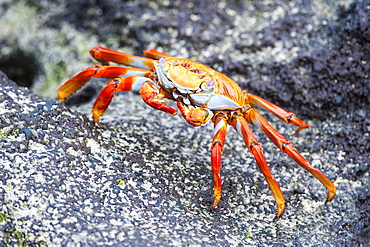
143 178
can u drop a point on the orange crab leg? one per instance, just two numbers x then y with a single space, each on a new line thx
105 55
152 53
98 71
287 147
216 156
284 115
107 93
242 127
149 93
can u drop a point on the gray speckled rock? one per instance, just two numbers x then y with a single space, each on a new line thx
146 180
144 177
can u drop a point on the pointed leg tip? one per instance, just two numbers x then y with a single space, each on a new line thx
216 202
174 113
298 122
61 98
279 212
96 120
299 129
276 218
331 195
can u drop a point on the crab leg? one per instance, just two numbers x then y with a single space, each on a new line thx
148 91
284 115
98 71
152 53
287 147
241 126
217 148
104 56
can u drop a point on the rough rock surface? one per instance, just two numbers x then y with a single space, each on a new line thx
143 177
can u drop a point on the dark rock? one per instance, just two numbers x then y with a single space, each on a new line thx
143 178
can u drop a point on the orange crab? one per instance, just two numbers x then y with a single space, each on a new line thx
201 94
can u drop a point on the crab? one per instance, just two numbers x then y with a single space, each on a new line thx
201 94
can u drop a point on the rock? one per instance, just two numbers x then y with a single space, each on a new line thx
143 177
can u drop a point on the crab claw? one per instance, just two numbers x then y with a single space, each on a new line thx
196 116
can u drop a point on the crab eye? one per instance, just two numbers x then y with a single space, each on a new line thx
161 62
210 84
207 85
